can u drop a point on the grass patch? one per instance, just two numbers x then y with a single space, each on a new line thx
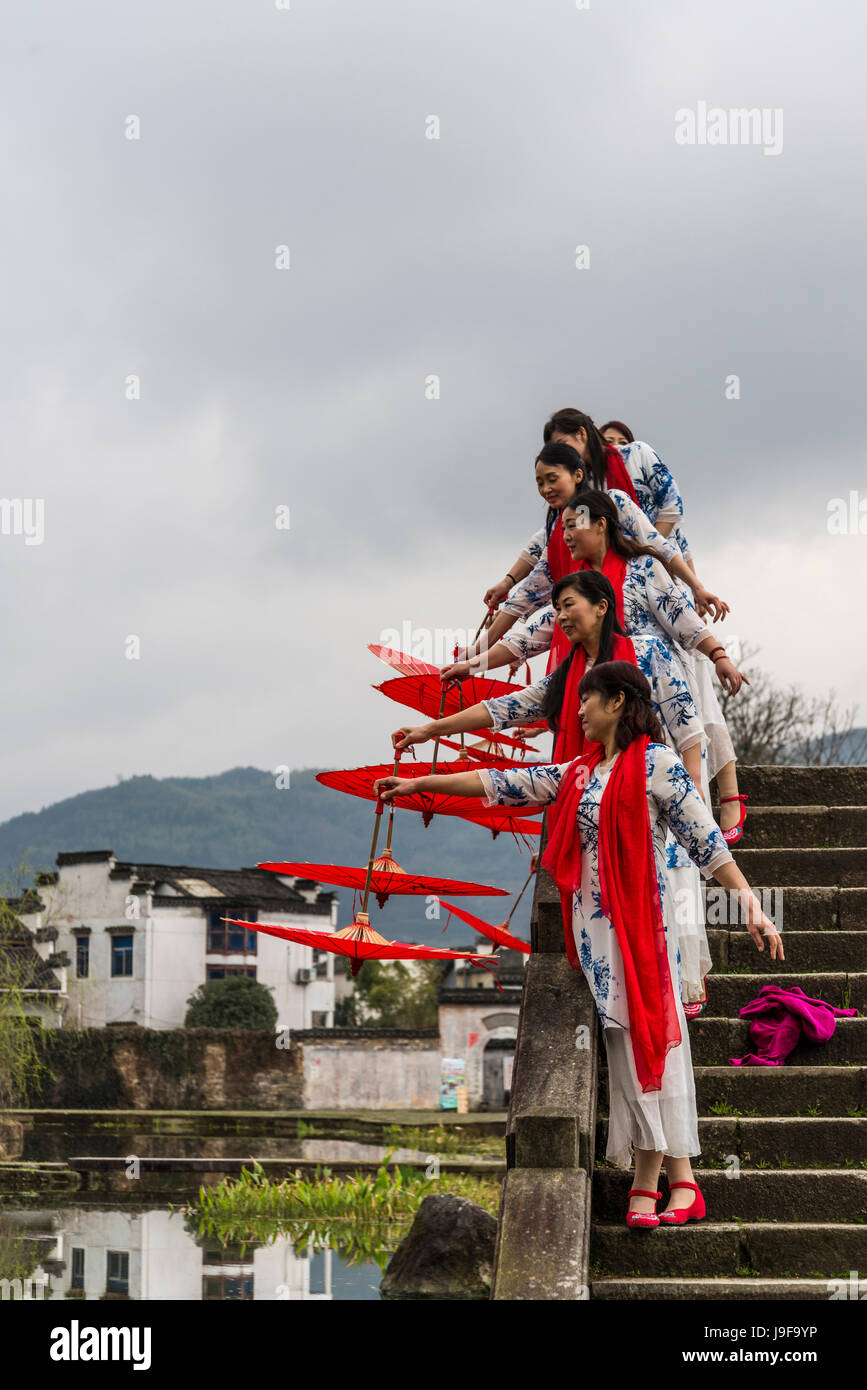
363 1214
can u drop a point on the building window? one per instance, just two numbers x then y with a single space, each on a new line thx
222 936
226 1255
117 1271
319 1020
320 964
227 1286
77 1267
316 1270
82 957
121 955
221 972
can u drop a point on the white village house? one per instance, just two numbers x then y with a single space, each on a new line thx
130 942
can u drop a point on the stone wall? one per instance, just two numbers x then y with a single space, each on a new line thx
237 1069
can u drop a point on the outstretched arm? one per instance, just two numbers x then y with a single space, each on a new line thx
730 877
464 722
694 827
451 784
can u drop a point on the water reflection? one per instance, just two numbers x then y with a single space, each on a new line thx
150 1253
54 1147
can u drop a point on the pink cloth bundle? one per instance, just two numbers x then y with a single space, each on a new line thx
779 1017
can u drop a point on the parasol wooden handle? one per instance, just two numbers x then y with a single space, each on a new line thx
518 899
377 817
433 766
391 807
486 622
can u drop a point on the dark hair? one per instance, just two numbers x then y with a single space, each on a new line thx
639 715
620 427
599 504
594 587
570 421
561 456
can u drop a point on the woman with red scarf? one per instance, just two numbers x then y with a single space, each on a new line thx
611 808
586 614
544 560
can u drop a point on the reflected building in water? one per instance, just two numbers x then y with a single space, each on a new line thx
84 1253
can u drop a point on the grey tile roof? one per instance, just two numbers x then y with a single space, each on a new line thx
22 960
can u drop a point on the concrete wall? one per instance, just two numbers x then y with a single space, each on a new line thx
390 1073
233 1069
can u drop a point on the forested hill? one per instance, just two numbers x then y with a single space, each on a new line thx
239 818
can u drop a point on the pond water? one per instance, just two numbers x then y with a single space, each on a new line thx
150 1253
53 1146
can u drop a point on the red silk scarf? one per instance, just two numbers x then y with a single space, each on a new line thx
560 560
560 563
570 740
629 896
617 475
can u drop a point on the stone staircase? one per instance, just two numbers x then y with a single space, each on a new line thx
783 1166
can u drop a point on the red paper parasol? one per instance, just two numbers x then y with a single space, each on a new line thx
358 781
387 878
493 751
407 665
484 753
425 693
361 942
500 935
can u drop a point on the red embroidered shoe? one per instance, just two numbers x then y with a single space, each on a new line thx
698 1006
681 1214
732 836
642 1218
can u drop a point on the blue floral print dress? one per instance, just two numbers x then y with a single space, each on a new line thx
535 591
657 492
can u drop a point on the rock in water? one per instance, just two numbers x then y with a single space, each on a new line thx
448 1253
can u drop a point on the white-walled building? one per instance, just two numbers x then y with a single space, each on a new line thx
140 938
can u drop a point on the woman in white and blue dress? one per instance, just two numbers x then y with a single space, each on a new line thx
652 603
660 1125
658 497
658 494
585 607
560 469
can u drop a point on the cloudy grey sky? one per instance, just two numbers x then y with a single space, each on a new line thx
408 257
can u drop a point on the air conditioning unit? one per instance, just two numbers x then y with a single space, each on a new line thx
303 977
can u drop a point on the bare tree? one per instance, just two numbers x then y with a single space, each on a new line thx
769 724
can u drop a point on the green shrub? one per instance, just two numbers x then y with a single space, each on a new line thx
236 1002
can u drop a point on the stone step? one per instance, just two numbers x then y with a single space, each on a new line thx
814 1250
727 994
764 1091
802 908
804 786
809 951
773 1141
740 1290
827 911
804 868
755 1194
769 827
713 1041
